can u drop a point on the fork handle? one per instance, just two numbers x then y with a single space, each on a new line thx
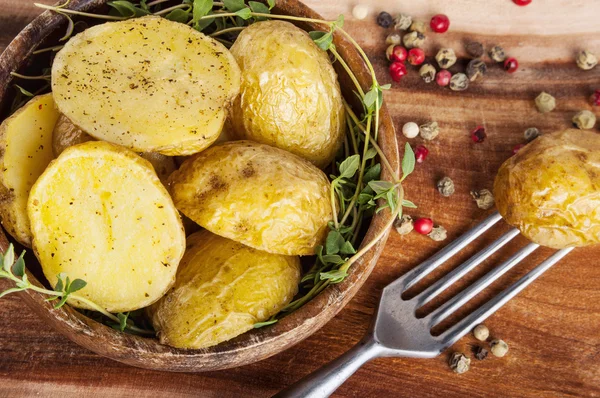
324 381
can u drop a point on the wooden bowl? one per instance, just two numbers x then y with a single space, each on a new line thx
249 347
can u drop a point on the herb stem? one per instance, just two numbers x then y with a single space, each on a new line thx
348 70
223 31
168 10
43 50
25 77
83 14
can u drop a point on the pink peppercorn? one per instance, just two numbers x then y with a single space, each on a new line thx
511 65
423 225
478 134
421 153
416 56
595 98
522 2
397 71
517 148
440 23
443 78
398 54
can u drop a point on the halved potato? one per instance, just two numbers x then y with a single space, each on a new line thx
223 288
25 151
149 84
261 196
100 213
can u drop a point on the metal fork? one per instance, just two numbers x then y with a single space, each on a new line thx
397 332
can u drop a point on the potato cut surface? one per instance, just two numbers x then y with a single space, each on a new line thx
100 213
26 150
149 84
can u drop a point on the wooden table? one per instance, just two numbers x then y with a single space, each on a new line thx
553 328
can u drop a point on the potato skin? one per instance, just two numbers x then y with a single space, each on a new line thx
290 97
222 289
261 196
550 189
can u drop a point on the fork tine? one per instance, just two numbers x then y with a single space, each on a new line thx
460 299
434 290
421 271
457 331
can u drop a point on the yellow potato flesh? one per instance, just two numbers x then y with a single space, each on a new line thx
550 190
261 196
26 142
99 213
148 84
223 288
290 97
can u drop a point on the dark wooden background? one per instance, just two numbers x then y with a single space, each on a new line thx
553 328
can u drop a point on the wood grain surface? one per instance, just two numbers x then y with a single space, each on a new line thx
552 328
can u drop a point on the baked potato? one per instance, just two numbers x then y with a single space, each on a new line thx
222 289
148 84
290 97
255 194
550 189
25 152
100 213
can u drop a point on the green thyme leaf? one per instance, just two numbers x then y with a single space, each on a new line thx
9 258
19 268
381 186
347 248
76 285
332 259
178 15
122 320
373 173
258 325
260 8
408 161
371 153
385 86
127 9
335 275
271 4
201 9
370 98
60 284
62 302
339 22
334 242
234 5
364 198
322 39
244 13
408 204
349 166
203 23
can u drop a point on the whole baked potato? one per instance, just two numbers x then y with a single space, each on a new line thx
550 189
290 97
261 196
222 289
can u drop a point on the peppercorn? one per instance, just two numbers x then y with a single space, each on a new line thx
421 153
418 26
439 23
459 82
545 102
459 363
393 38
478 134
404 225
427 73
497 54
584 120
429 130
531 134
443 78
384 20
360 11
423 225
499 348
410 130
481 332
475 69
438 234
483 198
511 65
446 58
396 53
517 148
446 187
413 39
481 353
586 60
595 98
402 22
416 56
397 71
522 2
474 49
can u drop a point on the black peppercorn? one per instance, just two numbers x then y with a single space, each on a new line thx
475 69
481 353
474 49
384 20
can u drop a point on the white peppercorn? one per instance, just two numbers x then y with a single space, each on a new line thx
393 38
410 130
413 39
438 233
584 120
402 22
429 130
427 73
360 11
459 363
446 187
404 225
484 199
389 51
476 69
418 26
445 58
481 332
459 82
586 60
499 348
545 102
497 54
531 134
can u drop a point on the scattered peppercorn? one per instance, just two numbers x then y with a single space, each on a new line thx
421 153
396 53
410 130
416 56
423 225
459 363
481 353
446 186
511 65
443 78
483 198
478 134
393 38
413 39
497 54
499 348
427 73
445 58
402 22
397 71
481 332
384 20
360 11
584 120
459 82
429 130
545 102
595 98
474 49
475 69
586 60
440 23
404 225
418 26
521 2
438 234
531 134
517 148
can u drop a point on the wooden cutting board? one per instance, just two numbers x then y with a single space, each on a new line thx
552 328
